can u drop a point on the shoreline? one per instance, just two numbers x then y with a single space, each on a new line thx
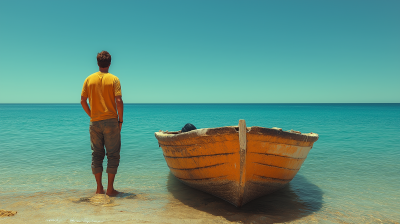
181 205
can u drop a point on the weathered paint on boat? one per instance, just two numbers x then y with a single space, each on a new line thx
236 163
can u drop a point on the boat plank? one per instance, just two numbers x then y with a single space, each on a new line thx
278 149
273 172
201 161
278 161
219 147
225 169
276 139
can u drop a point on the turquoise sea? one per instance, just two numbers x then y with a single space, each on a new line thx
351 175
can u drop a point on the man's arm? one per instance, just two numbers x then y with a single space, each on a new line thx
120 108
85 105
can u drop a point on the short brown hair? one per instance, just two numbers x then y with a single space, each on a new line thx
103 59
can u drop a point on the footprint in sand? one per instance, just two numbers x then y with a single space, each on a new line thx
98 200
101 199
104 200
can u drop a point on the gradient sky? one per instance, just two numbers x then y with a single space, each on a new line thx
208 51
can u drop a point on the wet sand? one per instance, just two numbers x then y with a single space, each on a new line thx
182 205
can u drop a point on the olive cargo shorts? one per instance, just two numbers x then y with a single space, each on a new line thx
105 133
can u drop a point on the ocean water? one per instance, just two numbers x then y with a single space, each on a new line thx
351 175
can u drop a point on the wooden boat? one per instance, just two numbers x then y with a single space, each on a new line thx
236 163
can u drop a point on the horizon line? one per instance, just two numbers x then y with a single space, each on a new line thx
210 103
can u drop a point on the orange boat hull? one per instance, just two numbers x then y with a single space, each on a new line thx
236 169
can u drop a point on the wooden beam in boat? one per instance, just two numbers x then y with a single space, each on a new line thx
243 146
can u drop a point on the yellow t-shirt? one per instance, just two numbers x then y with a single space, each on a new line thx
101 89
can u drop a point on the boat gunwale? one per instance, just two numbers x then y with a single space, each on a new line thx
254 130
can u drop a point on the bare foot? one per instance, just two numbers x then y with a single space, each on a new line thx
100 191
113 193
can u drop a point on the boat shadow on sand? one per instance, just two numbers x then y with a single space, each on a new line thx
296 200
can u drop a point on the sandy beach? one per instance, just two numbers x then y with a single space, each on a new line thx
183 205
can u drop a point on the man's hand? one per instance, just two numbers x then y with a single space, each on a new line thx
85 105
120 108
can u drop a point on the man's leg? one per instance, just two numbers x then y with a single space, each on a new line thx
110 187
100 189
97 145
112 142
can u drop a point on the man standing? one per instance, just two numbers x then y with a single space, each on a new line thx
106 117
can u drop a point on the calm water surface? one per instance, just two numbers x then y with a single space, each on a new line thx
352 174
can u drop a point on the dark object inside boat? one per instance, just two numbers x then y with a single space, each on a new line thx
188 127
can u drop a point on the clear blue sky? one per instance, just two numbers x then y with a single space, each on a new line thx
208 51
